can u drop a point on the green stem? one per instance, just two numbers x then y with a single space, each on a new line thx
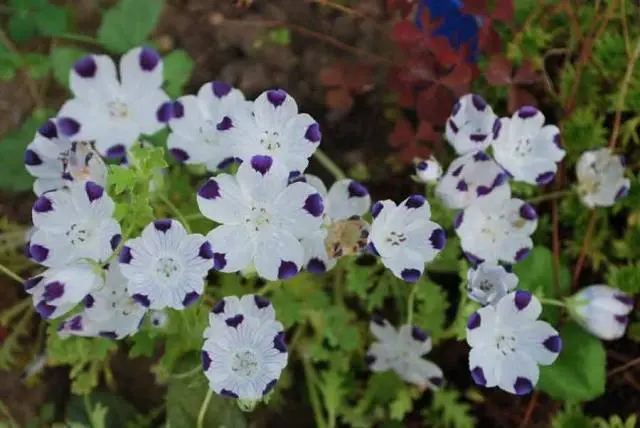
11 274
195 216
5 411
411 302
175 211
269 287
312 380
549 196
203 408
78 38
552 302
188 373
329 165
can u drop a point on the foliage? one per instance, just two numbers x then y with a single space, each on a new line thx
448 411
128 24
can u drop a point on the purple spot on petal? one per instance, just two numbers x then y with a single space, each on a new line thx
372 249
481 156
456 108
31 158
287 269
219 260
94 191
89 301
314 205
276 97
553 344
32 282
369 359
149 59
497 127
218 308
545 177
527 212
622 192
43 205
162 225
316 265
225 124
625 299
38 252
313 133
414 201
457 171
474 321
522 299
206 360
527 112
76 323
483 190
125 255
622 319
68 126
376 208
478 138
279 342
108 334
227 393
44 309
86 67
410 275
142 299
377 319
473 259
48 130
228 162
457 221
453 126
53 290
477 374
165 112
178 110
422 166
235 320
521 254
220 89
117 152
462 186
478 102
205 250
437 381
269 387
179 155
522 386
357 190
262 164
115 241
557 141
190 298
419 334
209 190
261 302
501 178
438 239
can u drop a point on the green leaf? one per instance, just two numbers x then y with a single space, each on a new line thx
37 65
579 373
129 23
280 36
626 278
185 397
51 20
448 411
178 67
401 405
431 307
62 59
119 414
571 417
13 175
143 345
22 28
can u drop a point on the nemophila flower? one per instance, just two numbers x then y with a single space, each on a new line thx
343 231
472 125
166 266
272 126
499 231
473 177
401 351
74 224
404 237
262 218
527 148
114 112
158 319
199 125
489 282
603 311
244 351
508 342
59 290
428 170
108 311
54 160
601 179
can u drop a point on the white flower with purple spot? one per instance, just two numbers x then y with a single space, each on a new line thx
114 112
601 180
59 290
244 351
489 282
472 125
262 217
199 123
401 351
343 231
158 319
473 177
272 126
55 161
74 224
500 231
508 343
404 237
108 311
601 310
428 170
166 266
527 148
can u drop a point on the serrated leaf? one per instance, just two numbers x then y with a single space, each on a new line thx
498 71
401 405
626 278
129 23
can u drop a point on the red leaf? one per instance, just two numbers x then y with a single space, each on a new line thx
411 151
405 7
405 34
519 97
490 41
442 50
339 99
333 75
476 7
503 11
434 104
526 74
459 77
426 132
402 133
358 78
498 72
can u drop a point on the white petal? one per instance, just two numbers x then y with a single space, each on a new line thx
481 327
527 121
347 198
279 255
219 98
92 116
383 330
540 341
425 239
93 78
298 209
380 357
301 136
430 374
233 248
222 200
274 108
514 248
471 124
518 309
262 179
414 338
484 362
406 265
317 184
545 144
518 373
141 71
315 253
144 110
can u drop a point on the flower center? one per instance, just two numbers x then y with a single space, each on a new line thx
485 285
77 235
118 109
395 239
207 132
505 343
258 217
270 140
523 146
167 268
245 364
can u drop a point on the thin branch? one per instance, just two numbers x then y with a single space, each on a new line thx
591 225
623 367
529 412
